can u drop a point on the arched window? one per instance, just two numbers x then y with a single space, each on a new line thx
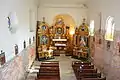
109 29
91 29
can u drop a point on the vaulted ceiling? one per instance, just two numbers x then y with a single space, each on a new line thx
63 1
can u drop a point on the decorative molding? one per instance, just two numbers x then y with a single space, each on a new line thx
83 6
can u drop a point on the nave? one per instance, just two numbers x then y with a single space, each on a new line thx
68 68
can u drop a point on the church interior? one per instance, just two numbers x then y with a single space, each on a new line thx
59 40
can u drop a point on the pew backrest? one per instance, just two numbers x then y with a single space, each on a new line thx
90 75
87 71
94 78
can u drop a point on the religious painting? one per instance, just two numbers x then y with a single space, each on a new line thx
12 22
109 29
59 30
59 21
44 27
16 49
43 40
2 58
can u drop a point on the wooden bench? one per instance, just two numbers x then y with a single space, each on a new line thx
88 75
49 65
48 78
48 75
77 73
78 63
94 78
87 70
50 62
49 68
83 67
87 66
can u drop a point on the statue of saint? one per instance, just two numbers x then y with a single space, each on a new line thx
82 42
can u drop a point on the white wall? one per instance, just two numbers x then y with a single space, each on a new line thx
50 12
107 8
7 40
106 60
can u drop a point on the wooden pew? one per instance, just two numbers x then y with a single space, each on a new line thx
94 78
83 67
50 62
88 75
49 70
86 66
79 63
47 76
49 65
79 72
87 70
75 68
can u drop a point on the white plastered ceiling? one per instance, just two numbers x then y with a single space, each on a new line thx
63 3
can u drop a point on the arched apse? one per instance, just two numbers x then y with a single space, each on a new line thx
68 20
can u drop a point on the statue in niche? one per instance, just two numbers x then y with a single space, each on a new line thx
82 42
